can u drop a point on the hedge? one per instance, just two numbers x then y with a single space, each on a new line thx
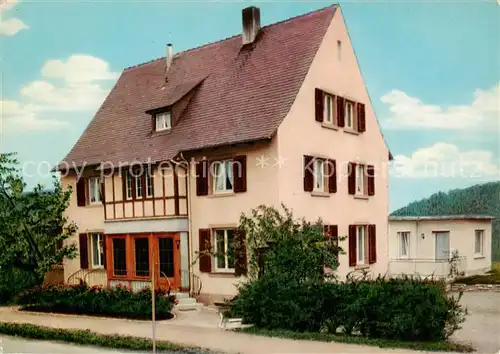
86 337
398 309
84 300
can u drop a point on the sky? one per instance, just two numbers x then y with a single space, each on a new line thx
432 70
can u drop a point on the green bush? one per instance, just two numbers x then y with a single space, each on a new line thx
12 282
399 309
81 299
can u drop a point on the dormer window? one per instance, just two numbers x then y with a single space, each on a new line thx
163 121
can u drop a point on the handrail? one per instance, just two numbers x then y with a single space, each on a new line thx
72 277
196 285
163 275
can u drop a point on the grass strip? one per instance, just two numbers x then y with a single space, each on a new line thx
86 337
382 343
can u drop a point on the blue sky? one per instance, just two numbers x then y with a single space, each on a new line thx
431 69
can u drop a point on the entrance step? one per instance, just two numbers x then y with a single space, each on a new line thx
187 303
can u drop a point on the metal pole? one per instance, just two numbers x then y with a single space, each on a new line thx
153 313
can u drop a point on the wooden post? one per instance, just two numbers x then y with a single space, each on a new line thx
153 305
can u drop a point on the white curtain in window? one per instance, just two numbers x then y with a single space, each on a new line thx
404 244
219 176
229 174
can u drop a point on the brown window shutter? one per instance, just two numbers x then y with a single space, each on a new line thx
372 244
319 99
240 253
351 181
81 199
340 112
332 176
370 172
240 175
205 248
326 232
308 173
84 251
104 250
103 192
334 234
202 178
352 245
361 117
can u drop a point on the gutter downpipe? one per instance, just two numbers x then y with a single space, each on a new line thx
190 225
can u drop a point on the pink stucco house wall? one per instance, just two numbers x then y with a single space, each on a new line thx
276 114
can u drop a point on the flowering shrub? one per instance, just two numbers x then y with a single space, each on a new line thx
96 300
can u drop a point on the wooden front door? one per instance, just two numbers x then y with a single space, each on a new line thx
168 261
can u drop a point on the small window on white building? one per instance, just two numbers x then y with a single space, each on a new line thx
404 244
224 250
329 109
95 190
349 114
96 241
163 121
360 179
361 244
479 243
223 176
319 175
339 50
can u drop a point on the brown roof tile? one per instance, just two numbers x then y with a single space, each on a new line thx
244 95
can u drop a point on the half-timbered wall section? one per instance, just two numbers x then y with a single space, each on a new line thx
160 193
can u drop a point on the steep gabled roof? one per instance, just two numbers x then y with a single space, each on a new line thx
244 95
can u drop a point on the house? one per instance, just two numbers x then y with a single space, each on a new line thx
184 144
424 244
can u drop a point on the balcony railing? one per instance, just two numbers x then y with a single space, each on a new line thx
425 267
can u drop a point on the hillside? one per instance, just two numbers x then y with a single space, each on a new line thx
483 199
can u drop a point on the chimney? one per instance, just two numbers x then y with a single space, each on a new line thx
169 56
251 24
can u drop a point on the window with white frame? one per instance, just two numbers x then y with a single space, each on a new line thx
138 187
130 192
224 250
360 179
223 176
479 243
404 244
361 244
349 114
329 109
96 241
319 175
95 190
163 121
149 184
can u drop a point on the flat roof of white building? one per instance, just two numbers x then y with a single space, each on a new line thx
442 217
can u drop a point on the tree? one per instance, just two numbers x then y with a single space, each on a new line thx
32 224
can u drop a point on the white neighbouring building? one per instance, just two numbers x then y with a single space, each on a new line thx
423 245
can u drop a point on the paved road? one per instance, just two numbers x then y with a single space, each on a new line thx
12 345
482 327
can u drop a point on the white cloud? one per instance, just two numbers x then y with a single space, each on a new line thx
407 112
79 69
443 160
9 26
43 101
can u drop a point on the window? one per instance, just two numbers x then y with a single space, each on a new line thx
349 114
166 252
360 179
163 121
329 109
479 242
119 257
339 50
223 176
141 257
319 175
128 180
95 190
149 183
138 187
404 244
361 236
224 250
96 241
